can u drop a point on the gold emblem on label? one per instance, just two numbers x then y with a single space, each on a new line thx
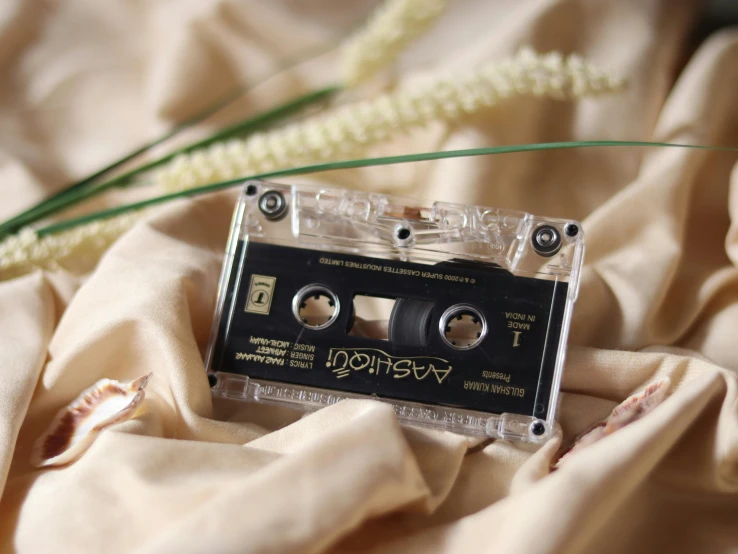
261 290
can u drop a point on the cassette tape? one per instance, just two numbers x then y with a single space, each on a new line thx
456 315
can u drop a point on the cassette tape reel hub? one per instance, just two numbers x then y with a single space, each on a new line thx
456 315
316 307
462 327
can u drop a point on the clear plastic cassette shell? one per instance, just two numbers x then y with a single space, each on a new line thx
476 338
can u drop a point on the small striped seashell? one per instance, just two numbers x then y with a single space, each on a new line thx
629 410
75 427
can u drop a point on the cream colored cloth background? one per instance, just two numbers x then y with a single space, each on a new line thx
82 82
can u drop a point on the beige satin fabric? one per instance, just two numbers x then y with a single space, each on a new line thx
83 82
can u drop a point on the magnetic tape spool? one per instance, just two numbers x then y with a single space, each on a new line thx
410 322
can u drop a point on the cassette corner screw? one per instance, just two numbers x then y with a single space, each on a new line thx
537 428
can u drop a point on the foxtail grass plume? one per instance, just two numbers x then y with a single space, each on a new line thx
349 130
77 249
344 132
391 28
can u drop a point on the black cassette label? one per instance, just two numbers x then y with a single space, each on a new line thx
506 366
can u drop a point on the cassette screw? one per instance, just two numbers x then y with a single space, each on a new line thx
537 428
272 204
571 230
251 190
403 235
546 240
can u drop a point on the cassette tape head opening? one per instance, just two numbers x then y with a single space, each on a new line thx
456 315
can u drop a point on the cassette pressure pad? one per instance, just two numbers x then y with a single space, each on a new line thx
457 315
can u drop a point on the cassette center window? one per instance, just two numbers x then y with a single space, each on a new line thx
371 316
456 315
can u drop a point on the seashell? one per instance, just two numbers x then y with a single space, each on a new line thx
629 410
638 405
75 427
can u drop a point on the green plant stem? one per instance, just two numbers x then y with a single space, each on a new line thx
84 189
32 214
367 162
